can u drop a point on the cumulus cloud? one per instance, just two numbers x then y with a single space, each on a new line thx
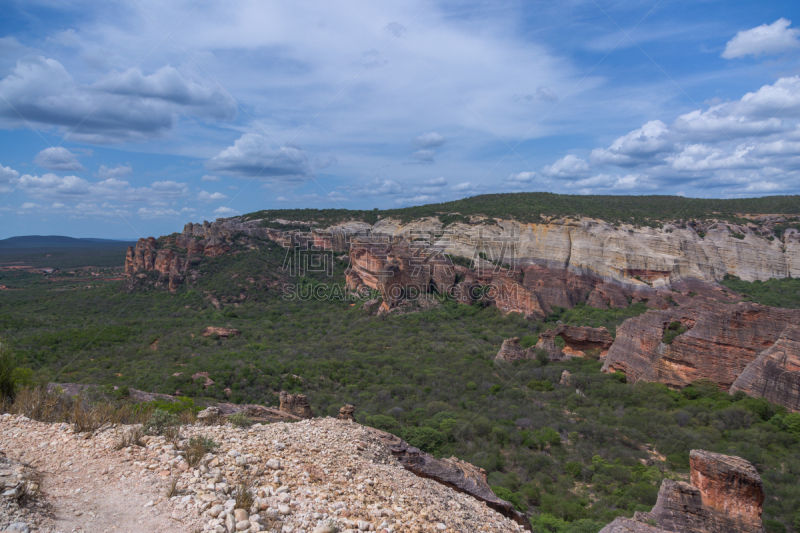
118 171
521 177
156 212
52 187
430 140
8 179
766 39
568 166
729 147
222 212
205 196
58 158
209 177
125 106
251 156
463 186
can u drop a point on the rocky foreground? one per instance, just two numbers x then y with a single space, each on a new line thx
314 476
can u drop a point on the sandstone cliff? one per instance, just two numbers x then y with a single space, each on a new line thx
718 341
775 373
577 341
725 495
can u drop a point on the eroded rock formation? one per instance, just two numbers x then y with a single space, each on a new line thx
295 404
459 475
347 412
511 351
718 341
626 525
775 373
577 341
725 495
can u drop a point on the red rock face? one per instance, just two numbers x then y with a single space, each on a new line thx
399 271
775 373
577 341
729 486
725 495
720 341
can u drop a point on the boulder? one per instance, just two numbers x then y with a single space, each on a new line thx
209 415
718 341
347 413
725 495
295 404
511 351
775 373
223 333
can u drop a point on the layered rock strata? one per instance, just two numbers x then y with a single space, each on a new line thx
718 342
775 373
511 351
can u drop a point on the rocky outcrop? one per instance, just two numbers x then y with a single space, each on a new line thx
577 341
511 351
455 473
775 373
295 404
223 333
705 339
347 413
636 256
725 495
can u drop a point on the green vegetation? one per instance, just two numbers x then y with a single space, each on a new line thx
572 456
673 330
529 207
783 292
240 420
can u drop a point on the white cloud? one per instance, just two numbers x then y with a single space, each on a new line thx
29 205
58 158
636 146
430 140
463 186
567 166
57 205
124 106
209 177
8 179
423 156
156 212
544 93
435 182
118 171
51 187
223 212
772 38
422 198
205 196
281 199
521 177
251 156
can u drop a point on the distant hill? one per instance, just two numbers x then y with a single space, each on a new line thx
527 207
57 241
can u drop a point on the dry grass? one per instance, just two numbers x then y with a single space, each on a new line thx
172 488
132 437
244 493
197 448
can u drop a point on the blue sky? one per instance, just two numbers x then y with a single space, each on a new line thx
128 119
